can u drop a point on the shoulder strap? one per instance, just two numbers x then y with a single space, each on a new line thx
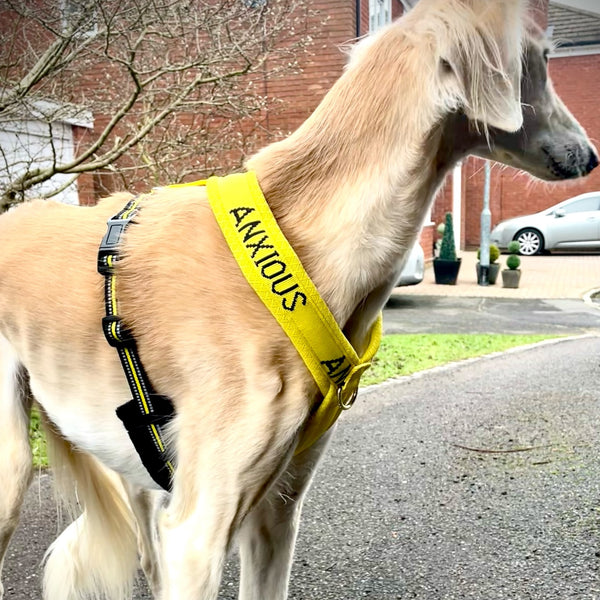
276 274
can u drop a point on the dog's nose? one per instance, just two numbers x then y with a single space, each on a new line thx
592 163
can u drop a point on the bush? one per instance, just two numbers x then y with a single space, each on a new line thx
513 262
448 248
494 253
514 247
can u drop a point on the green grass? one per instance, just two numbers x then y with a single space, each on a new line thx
38 440
405 354
398 355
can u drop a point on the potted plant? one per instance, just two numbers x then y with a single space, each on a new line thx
447 265
512 274
494 268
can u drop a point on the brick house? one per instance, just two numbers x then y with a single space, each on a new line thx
575 68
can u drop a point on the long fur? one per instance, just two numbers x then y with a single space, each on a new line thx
96 555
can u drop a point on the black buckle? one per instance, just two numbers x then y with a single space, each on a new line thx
110 244
116 334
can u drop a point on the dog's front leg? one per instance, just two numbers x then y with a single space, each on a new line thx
145 505
268 534
212 494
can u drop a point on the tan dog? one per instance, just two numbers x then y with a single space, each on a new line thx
350 190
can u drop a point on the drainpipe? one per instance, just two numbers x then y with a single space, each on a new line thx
357 18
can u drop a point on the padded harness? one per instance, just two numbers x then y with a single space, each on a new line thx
275 272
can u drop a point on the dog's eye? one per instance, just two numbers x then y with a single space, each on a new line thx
445 66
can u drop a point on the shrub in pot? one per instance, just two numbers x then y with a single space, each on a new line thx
512 274
447 265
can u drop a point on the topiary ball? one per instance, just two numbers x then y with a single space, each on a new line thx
514 247
513 262
494 253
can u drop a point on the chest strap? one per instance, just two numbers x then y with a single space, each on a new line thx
146 415
276 274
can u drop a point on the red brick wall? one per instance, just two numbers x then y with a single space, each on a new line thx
334 26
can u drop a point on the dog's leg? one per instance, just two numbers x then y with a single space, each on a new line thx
215 487
16 465
268 534
96 555
145 504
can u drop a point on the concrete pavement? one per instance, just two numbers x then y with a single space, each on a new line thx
479 481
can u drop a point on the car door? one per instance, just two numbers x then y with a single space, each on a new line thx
576 222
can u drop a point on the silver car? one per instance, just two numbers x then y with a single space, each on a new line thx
414 269
572 224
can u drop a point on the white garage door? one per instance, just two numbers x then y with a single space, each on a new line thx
31 144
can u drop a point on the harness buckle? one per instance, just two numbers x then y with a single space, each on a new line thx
110 244
116 334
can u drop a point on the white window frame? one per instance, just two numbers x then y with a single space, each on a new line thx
380 14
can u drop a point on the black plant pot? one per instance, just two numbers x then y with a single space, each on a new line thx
492 273
446 271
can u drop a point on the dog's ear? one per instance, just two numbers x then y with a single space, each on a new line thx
483 53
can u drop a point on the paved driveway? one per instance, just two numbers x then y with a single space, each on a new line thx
546 276
478 481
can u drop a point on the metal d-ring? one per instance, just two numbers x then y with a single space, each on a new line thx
348 403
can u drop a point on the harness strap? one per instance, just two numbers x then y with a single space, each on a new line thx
145 416
276 274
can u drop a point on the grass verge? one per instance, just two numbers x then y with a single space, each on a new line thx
398 355
408 353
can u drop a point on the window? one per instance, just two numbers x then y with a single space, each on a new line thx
583 205
380 13
254 3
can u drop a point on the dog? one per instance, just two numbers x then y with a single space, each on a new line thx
350 190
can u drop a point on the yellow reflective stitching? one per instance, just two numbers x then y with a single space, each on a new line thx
126 214
113 295
137 381
157 436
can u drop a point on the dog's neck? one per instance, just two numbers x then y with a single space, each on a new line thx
352 186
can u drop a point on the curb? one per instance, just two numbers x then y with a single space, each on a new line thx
467 361
587 298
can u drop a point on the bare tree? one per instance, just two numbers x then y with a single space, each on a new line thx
171 86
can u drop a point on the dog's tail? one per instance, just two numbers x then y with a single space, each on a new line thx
96 555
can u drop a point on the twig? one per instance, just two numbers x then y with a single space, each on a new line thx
500 451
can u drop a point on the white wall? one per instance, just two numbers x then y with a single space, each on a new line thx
30 144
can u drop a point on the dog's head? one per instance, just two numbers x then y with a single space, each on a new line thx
550 144
493 79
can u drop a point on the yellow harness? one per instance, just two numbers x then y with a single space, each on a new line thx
276 274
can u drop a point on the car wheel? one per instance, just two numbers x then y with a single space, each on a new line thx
531 241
